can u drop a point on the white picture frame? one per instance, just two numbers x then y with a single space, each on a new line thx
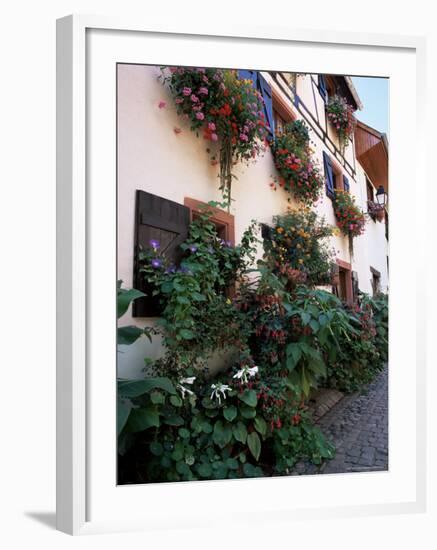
74 344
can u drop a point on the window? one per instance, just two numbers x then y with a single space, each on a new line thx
326 87
370 193
343 287
335 179
375 281
224 222
166 222
261 84
279 122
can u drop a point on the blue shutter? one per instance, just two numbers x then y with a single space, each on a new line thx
249 75
329 175
346 185
322 87
266 93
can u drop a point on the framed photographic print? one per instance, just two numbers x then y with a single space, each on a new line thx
231 253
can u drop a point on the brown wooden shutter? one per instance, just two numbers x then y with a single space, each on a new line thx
164 221
355 286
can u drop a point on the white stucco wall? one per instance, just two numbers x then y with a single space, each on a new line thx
152 157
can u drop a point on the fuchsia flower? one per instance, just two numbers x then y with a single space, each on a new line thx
214 137
162 104
211 126
179 100
200 116
203 91
243 137
194 98
186 91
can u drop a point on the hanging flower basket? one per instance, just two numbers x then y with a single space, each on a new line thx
341 115
299 174
227 111
350 219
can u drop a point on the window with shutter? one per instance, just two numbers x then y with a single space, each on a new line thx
261 84
322 88
329 175
166 222
346 185
355 286
266 92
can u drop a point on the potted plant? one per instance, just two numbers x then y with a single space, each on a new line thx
340 114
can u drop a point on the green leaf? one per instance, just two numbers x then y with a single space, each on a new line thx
157 398
306 317
254 444
198 297
128 335
135 388
261 425
240 432
314 325
176 401
173 420
232 463
124 408
249 397
294 353
142 419
184 433
183 300
186 334
252 471
230 413
247 412
124 298
205 470
156 448
222 434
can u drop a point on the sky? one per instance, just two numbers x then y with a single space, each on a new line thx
373 93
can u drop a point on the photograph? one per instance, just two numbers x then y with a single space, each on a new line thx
252 273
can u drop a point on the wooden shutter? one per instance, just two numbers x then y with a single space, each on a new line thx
266 92
355 286
322 87
164 221
346 185
329 175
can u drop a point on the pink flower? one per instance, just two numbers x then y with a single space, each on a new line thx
200 116
194 98
162 104
177 130
214 137
186 91
203 91
211 126
179 100
243 137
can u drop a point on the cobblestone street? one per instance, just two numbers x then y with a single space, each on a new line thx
358 427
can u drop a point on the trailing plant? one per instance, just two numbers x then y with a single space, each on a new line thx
350 219
226 110
298 250
299 174
341 115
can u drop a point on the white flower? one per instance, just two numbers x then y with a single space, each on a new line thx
182 388
245 372
218 389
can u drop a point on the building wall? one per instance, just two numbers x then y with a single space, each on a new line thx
153 158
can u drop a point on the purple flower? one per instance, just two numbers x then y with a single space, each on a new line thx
228 243
194 98
186 91
243 137
154 244
156 263
203 91
214 137
193 248
211 126
179 100
200 116
210 249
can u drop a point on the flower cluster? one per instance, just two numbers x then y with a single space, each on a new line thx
299 174
224 109
298 249
341 115
350 219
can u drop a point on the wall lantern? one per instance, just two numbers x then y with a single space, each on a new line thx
381 197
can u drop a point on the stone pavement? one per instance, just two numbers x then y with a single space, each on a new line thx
358 427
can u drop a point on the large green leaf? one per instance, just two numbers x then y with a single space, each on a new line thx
128 335
254 443
249 397
294 353
240 432
124 407
135 388
222 434
261 425
142 419
230 413
124 298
